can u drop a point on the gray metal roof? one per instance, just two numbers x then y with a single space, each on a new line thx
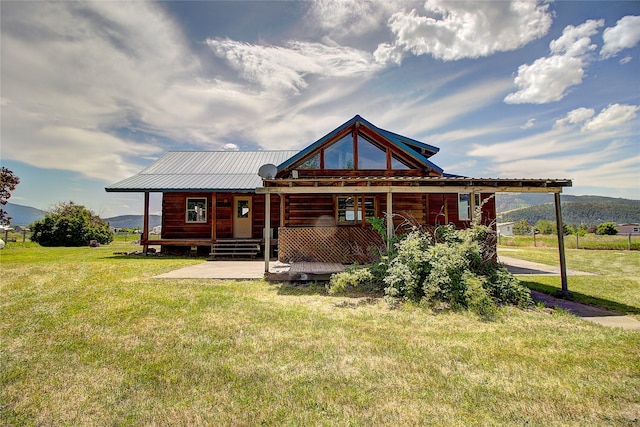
203 171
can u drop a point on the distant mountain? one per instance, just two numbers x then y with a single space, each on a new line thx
589 210
23 215
133 221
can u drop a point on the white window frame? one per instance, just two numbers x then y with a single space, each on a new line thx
356 210
465 208
199 211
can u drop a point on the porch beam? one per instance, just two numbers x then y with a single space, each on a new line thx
267 229
403 189
145 223
389 219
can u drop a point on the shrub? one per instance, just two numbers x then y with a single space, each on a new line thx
454 268
354 278
521 228
69 224
607 228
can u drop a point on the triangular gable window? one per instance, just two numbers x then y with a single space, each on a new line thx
360 153
397 164
370 155
340 154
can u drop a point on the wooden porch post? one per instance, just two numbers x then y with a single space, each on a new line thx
145 224
389 219
267 230
564 293
472 205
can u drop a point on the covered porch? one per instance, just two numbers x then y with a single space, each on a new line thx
326 242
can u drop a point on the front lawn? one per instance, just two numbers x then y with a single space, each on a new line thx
88 338
616 285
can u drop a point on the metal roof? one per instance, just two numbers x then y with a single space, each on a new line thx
203 171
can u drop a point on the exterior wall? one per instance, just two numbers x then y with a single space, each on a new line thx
633 229
174 225
303 210
311 234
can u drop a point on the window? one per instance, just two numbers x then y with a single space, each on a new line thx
196 210
311 163
349 209
340 154
464 205
397 164
370 155
243 209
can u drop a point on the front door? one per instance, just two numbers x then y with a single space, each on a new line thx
242 223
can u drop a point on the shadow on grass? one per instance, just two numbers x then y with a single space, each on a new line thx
319 288
586 299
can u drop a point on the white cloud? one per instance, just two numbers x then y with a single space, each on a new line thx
624 35
230 147
530 123
547 79
456 30
285 69
625 60
343 20
74 74
579 115
612 116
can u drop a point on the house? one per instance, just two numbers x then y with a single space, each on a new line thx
629 228
315 204
505 229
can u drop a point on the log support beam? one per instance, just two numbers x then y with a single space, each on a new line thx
564 292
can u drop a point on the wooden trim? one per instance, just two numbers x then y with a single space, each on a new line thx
145 221
354 144
381 189
177 242
214 216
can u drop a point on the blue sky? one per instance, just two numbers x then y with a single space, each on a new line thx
92 93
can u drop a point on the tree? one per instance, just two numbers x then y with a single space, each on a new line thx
521 228
69 224
545 227
8 183
607 228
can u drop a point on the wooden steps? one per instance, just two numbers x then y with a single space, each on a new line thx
235 248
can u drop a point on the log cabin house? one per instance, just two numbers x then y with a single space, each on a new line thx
313 204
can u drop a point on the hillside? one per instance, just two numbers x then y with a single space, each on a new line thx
589 210
133 221
23 215
26 215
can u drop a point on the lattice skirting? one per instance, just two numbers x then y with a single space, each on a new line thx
344 245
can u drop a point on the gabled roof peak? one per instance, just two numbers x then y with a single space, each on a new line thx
416 149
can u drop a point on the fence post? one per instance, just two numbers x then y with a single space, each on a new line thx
577 243
629 241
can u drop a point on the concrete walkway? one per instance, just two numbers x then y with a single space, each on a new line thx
527 268
588 312
241 270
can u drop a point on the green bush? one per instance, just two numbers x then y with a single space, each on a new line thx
354 278
608 229
69 224
454 268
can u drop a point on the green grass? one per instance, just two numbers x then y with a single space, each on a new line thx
590 241
88 338
616 285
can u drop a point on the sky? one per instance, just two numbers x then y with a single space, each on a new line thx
93 92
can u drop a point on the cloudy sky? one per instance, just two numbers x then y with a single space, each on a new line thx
93 92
